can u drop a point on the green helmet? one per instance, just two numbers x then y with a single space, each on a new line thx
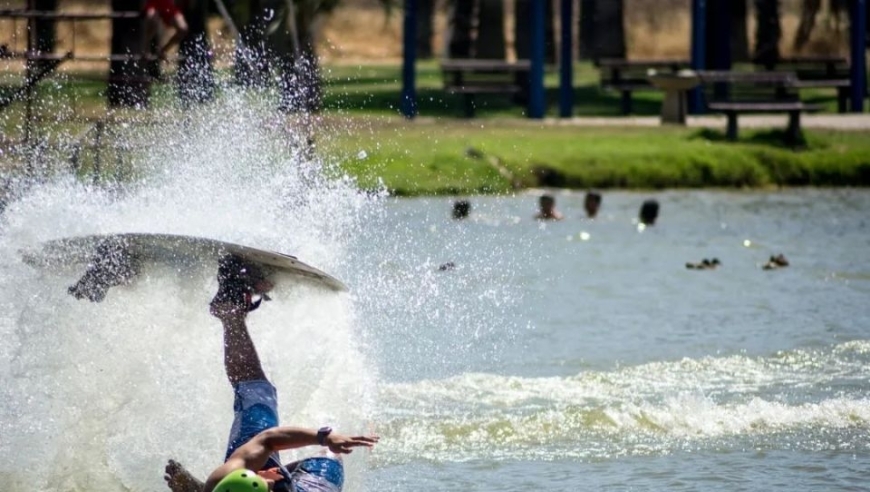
242 481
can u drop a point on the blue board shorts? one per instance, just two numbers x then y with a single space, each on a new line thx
256 409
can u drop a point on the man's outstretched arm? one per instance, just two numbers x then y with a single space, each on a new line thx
254 454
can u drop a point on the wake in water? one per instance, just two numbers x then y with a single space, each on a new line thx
809 400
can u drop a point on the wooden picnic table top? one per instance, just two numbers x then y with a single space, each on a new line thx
734 76
808 59
484 65
34 56
651 63
50 14
767 106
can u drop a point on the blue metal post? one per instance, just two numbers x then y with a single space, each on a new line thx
536 57
699 35
409 57
858 67
566 61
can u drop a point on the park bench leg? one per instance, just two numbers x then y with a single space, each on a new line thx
842 98
626 102
792 133
731 129
469 105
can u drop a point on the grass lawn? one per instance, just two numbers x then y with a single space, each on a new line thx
462 157
442 153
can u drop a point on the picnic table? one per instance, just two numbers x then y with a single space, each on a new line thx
628 76
816 71
755 92
471 77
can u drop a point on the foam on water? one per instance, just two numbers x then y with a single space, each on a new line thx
98 396
818 396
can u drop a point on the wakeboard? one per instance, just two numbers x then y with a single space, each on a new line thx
108 260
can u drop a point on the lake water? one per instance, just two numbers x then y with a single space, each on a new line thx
599 362
574 355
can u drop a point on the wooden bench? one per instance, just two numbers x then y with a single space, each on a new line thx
627 76
817 72
734 93
471 77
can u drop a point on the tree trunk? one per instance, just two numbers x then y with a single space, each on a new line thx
721 57
739 32
602 31
809 11
523 30
610 29
767 32
195 76
587 30
425 29
490 42
459 29
250 67
128 82
43 36
301 83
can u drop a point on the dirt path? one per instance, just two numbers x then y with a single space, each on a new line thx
826 121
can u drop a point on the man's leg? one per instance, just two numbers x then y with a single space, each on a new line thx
241 361
179 25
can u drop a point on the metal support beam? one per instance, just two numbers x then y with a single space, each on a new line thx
566 62
409 58
537 99
858 44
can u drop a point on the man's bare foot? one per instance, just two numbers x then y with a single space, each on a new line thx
178 479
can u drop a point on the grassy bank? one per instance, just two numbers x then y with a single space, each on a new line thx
496 156
499 151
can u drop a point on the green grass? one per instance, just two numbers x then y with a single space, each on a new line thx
426 159
430 155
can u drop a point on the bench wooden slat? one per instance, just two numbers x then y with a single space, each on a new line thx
482 65
484 89
627 76
629 86
763 107
814 83
753 78
471 77
657 63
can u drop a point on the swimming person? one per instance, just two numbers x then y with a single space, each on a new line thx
548 210
461 209
649 212
592 203
252 461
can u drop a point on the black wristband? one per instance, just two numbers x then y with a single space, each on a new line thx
322 434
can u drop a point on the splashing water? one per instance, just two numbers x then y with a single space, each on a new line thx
99 396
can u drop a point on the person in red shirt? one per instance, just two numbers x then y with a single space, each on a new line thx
167 13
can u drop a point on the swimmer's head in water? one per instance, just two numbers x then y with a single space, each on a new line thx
461 208
547 202
242 481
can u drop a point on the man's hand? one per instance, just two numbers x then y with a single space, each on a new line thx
339 444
